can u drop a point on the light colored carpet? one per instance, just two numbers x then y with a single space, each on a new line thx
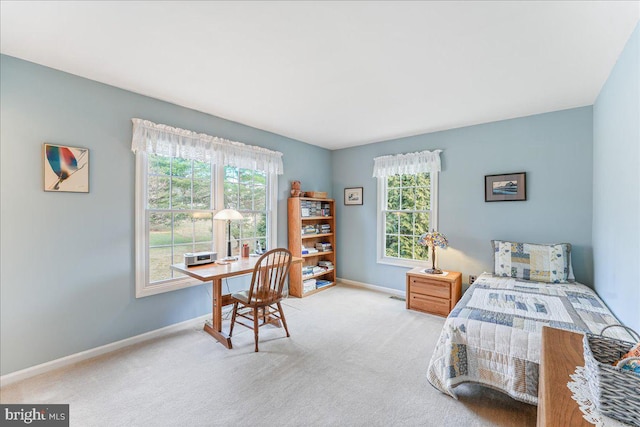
355 357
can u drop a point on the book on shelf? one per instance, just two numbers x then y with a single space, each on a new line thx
306 251
321 283
323 246
309 285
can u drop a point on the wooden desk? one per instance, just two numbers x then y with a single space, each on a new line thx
215 273
561 353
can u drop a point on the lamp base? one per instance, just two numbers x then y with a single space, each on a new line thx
229 258
433 271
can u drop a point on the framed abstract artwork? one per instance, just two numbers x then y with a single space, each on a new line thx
505 187
65 168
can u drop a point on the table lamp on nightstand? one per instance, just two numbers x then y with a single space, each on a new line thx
228 215
433 239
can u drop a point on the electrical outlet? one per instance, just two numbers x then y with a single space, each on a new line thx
472 279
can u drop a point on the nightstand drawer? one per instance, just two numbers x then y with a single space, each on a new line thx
429 304
435 288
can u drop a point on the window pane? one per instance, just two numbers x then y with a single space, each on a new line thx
393 181
246 197
201 170
391 223
181 167
201 194
406 247
180 193
159 264
179 251
393 199
260 198
422 223
408 199
159 229
408 180
423 196
182 228
159 165
203 227
406 223
203 247
423 180
246 176
158 192
421 252
230 195
249 226
261 225
260 178
392 245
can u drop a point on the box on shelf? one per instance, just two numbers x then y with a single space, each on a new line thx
316 194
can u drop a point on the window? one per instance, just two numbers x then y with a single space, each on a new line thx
407 205
179 212
245 190
182 196
182 180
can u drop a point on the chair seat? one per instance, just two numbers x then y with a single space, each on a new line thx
257 298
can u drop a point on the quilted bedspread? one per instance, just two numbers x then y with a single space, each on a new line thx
492 336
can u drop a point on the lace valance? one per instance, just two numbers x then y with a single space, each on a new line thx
169 141
410 163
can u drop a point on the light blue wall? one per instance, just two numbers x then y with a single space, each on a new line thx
554 149
67 273
616 186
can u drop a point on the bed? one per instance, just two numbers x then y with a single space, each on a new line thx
492 336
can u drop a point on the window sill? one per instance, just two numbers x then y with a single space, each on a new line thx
403 262
168 286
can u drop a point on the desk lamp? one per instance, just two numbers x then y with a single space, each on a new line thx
228 215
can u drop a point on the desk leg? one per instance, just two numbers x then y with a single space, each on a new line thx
215 330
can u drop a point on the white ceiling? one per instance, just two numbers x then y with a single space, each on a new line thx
334 74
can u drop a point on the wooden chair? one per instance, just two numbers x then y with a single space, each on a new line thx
264 296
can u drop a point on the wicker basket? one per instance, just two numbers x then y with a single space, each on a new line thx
615 391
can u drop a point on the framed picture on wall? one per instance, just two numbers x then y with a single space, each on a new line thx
505 187
65 168
353 196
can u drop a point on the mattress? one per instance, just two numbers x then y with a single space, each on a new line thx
492 336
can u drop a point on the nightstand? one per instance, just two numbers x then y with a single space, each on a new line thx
433 293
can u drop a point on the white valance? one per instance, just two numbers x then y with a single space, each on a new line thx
410 163
169 141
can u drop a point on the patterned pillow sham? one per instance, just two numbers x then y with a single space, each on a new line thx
530 261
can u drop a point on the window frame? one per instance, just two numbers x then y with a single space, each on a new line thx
143 287
381 256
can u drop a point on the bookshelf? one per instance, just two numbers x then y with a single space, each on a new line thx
312 226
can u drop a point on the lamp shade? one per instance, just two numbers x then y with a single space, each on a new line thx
228 215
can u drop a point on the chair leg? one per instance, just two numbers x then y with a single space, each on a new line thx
255 326
233 318
284 321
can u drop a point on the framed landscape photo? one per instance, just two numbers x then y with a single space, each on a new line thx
353 196
65 168
505 187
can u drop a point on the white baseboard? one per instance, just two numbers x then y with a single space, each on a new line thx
373 287
93 352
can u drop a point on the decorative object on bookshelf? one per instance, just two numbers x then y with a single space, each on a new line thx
433 239
353 196
228 215
311 237
295 189
505 187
